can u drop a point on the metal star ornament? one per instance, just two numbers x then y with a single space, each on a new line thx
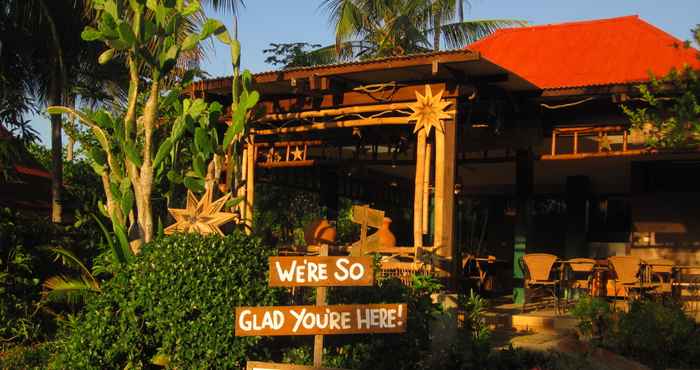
201 216
429 111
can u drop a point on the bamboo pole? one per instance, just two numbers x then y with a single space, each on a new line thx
439 189
241 191
426 187
418 191
250 185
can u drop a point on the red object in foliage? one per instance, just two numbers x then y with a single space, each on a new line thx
589 53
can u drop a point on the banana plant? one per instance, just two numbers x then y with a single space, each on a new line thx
144 34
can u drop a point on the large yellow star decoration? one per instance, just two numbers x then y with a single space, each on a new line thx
201 216
429 111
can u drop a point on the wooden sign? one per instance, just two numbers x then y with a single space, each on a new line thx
365 215
321 271
255 365
326 320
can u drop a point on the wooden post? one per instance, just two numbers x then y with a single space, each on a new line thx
250 185
444 189
524 183
426 188
320 301
418 191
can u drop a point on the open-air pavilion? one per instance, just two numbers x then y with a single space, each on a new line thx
514 145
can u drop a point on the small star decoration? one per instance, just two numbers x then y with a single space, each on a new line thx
201 216
272 156
604 143
297 153
429 111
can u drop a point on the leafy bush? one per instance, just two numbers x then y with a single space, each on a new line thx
659 334
594 315
20 266
27 357
173 305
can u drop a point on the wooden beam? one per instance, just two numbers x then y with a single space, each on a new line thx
355 98
286 164
334 112
571 156
335 124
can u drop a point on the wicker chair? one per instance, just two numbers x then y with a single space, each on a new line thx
660 272
538 268
627 274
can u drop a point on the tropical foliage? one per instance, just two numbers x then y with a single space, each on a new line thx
383 28
669 114
129 146
172 306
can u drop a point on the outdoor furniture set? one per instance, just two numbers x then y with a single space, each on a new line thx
630 277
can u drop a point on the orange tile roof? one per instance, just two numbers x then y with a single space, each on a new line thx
599 52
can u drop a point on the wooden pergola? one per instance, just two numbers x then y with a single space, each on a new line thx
368 114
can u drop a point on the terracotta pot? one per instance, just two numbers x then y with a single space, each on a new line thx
385 237
319 232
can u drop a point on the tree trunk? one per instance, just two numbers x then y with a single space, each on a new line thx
460 10
56 153
437 24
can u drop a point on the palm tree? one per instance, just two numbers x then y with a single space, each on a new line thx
376 28
47 42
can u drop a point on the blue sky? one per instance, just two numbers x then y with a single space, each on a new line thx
262 22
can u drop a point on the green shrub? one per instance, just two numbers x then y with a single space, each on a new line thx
21 265
659 334
174 304
594 316
27 357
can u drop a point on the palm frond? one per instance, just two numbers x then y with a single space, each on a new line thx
69 259
233 6
64 289
457 35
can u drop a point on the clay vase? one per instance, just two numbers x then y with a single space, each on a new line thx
319 232
385 237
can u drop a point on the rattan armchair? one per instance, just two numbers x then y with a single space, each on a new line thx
628 275
540 277
660 272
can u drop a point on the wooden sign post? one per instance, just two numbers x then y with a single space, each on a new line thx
366 216
320 301
321 272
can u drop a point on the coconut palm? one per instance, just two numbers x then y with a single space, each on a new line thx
376 28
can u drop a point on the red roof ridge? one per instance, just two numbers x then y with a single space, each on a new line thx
620 50
535 27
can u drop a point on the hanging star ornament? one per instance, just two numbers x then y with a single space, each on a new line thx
201 216
429 111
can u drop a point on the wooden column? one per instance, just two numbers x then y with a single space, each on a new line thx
418 191
444 189
250 184
524 184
